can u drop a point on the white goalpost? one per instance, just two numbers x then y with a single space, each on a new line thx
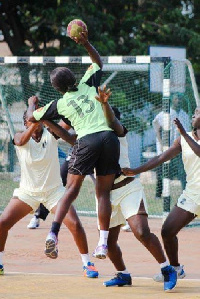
142 86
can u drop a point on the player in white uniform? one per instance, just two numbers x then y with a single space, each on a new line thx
40 182
129 203
188 204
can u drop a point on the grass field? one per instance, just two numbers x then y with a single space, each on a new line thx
86 199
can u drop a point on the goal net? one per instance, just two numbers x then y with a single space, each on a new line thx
143 88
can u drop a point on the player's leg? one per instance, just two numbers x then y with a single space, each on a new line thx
107 167
176 220
141 230
74 183
122 277
140 227
74 225
134 209
15 210
103 188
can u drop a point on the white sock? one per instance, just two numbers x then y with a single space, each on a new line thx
123 272
165 264
1 257
85 258
103 238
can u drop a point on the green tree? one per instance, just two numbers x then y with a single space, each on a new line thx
123 27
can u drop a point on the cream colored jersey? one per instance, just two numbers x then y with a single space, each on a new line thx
40 169
192 168
124 158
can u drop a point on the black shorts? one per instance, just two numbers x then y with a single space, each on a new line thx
99 151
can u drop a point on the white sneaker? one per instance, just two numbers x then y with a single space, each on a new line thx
180 274
34 223
100 252
126 228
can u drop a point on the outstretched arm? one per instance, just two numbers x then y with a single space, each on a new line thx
60 131
113 122
191 142
93 53
169 154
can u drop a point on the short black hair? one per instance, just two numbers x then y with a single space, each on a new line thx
63 80
116 111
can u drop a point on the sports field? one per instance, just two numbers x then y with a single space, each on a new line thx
29 274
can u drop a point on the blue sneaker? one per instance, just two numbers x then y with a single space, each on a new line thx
170 277
119 280
90 271
180 274
1 270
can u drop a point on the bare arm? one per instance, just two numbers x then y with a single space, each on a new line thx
93 53
32 106
113 122
60 131
23 137
191 142
169 154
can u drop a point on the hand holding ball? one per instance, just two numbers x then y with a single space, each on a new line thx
75 27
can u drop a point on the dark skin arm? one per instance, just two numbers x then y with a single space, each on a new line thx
95 57
112 121
32 106
60 131
22 138
191 142
93 53
169 154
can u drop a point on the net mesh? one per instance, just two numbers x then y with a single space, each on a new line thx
136 91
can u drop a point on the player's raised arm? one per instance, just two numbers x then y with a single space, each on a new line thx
169 154
32 106
93 53
191 142
113 122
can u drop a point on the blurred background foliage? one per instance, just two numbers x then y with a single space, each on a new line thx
122 27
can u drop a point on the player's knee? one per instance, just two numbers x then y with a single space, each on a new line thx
73 191
142 234
166 233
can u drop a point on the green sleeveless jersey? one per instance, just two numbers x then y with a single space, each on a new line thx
79 108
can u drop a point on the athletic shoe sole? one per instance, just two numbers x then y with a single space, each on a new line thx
100 256
168 291
51 251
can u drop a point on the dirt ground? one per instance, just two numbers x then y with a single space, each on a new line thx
29 274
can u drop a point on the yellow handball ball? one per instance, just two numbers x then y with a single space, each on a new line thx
75 27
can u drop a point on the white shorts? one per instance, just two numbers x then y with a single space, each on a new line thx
125 202
49 199
187 202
